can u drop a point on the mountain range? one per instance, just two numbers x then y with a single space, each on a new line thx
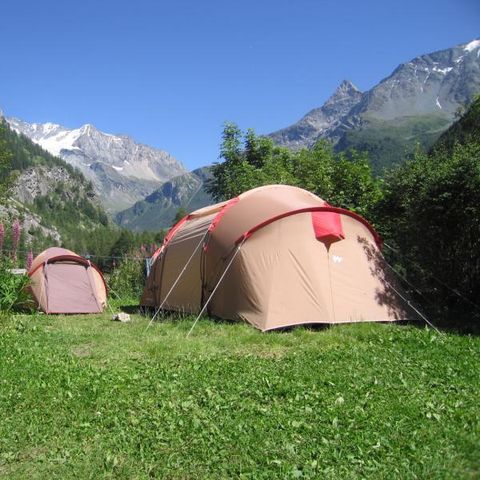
414 104
121 170
143 187
53 201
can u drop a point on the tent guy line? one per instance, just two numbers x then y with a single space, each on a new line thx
453 290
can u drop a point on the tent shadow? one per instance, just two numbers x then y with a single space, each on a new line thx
393 283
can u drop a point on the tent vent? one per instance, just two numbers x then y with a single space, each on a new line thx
327 226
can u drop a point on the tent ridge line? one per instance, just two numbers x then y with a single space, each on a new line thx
341 211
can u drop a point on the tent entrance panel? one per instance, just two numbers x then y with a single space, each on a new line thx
69 289
181 267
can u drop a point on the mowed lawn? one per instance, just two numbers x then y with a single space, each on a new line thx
85 397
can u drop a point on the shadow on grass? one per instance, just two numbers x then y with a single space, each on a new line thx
460 326
131 309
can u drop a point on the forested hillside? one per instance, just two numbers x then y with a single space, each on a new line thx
54 204
159 209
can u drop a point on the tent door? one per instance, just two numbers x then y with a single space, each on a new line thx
69 289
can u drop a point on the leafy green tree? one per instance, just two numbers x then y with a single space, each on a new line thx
344 180
231 153
125 243
181 212
7 176
430 214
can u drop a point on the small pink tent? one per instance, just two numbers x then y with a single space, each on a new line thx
64 282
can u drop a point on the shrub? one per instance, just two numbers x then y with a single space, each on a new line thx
14 293
128 279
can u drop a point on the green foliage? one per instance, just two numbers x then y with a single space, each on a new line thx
13 288
181 213
7 175
344 179
388 142
83 397
430 214
128 279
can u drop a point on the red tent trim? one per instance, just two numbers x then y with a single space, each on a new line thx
71 258
340 211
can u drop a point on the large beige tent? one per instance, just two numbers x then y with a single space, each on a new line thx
275 256
63 282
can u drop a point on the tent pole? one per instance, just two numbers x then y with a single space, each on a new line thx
177 280
216 286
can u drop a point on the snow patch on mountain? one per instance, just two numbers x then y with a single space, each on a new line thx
472 46
122 171
442 70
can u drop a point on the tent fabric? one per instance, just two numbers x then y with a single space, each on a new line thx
301 261
64 282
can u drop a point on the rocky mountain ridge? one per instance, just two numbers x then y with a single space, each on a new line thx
158 210
320 121
121 170
431 87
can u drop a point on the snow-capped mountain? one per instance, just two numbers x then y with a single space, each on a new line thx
428 89
121 170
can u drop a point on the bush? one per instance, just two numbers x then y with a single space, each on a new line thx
14 293
127 281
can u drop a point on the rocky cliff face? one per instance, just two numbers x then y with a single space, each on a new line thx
40 181
320 121
30 221
158 210
436 84
121 170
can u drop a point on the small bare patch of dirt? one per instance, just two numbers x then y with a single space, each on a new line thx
82 351
32 453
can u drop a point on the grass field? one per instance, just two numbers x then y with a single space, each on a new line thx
84 397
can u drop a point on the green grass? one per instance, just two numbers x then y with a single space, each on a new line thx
84 397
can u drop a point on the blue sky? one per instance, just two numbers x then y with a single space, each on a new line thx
170 73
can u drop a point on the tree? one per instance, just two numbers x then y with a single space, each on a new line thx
7 176
429 213
181 212
344 180
231 153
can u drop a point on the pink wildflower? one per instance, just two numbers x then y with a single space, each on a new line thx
29 260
